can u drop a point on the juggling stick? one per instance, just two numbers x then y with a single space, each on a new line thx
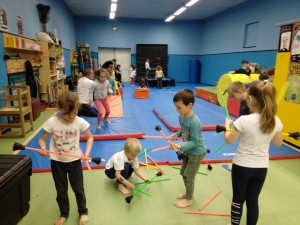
156 137
221 146
86 163
178 168
165 147
146 160
212 198
295 135
18 146
143 192
153 181
142 153
207 213
209 167
161 170
180 155
144 164
130 197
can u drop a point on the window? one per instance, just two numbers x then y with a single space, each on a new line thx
250 36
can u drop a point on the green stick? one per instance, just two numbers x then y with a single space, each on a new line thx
138 190
145 193
178 168
221 147
225 105
153 181
144 152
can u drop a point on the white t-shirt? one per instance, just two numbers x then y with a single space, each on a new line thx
65 137
253 149
133 73
83 90
118 160
147 66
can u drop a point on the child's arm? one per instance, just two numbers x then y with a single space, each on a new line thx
140 175
42 143
92 89
231 136
123 180
89 142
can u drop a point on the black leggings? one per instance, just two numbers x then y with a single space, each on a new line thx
246 185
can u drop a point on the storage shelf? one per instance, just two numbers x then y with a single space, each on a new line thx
22 49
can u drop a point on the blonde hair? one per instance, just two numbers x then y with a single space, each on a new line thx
68 102
158 68
132 145
235 87
264 94
99 71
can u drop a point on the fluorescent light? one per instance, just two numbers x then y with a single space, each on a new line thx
114 0
113 7
179 11
192 2
170 18
112 15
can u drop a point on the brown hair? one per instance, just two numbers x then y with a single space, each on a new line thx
99 71
264 94
271 71
142 81
235 87
263 76
87 71
185 95
132 145
68 102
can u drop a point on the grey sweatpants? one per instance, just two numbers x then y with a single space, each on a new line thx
189 168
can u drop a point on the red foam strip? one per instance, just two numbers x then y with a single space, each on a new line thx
101 137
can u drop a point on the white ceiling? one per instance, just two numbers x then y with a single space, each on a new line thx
151 9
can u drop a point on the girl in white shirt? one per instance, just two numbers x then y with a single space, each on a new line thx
132 75
147 67
251 160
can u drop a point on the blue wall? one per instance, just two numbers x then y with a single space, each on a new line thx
224 33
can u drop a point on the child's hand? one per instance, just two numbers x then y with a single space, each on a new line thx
175 146
228 122
146 180
173 137
130 186
43 152
92 104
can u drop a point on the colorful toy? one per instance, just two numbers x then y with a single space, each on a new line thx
18 146
130 197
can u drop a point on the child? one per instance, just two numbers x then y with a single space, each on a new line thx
132 75
100 89
65 130
119 75
159 75
122 164
147 67
250 163
270 73
143 83
238 92
194 149
111 81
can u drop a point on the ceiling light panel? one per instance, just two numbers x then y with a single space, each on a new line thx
113 7
179 11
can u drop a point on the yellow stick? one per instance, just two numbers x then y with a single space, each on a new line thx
148 165
146 159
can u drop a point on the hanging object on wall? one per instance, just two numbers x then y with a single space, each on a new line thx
3 20
20 26
43 11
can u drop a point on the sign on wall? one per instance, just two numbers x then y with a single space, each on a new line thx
285 38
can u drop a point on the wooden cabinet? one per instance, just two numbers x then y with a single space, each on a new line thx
46 58
84 58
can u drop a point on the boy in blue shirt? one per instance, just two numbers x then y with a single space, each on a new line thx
194 149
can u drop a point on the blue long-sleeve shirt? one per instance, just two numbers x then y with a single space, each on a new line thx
190 131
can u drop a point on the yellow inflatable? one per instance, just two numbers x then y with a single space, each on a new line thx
226 79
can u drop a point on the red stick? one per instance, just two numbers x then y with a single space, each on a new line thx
171 144
212 198
86 163
161 170
207 213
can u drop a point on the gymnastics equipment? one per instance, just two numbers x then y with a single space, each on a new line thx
153 181
226 79
141 93
207 213
295 135
130 197
179 154
210 200
101 137
161 170
18 146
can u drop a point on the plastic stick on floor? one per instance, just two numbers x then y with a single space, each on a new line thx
225 105
207 213
142 153
153 181
209 201
221 147
178 168
143 192
161 170
144 164
146 160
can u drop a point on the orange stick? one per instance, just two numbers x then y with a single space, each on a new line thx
207 213
156 137
86 163
212 198
165 147
161 170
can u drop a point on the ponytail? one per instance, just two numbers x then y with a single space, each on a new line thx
265 96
